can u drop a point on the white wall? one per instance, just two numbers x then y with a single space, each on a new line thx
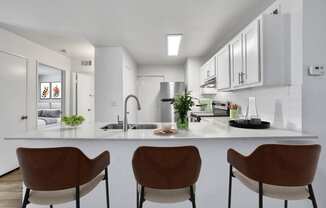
130 84
12 43
108 83
192 75
171 73
115 75
314 88
280 105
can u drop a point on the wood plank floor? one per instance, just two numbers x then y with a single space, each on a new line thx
11 190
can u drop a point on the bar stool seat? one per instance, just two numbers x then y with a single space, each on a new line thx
276 192
166 195
65 195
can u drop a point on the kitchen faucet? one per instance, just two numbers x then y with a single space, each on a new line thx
125 119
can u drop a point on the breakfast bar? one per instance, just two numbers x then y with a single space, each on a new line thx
212 139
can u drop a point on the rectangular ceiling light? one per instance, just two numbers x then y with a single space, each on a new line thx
174 41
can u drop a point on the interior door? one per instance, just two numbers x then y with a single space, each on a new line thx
12 106
85 96
149 97
236 61
223 69
252 53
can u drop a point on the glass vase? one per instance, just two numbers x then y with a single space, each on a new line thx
183 123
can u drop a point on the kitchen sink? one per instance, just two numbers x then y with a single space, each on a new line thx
144 126
131 126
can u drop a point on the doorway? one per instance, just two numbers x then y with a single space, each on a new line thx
83 95
50 96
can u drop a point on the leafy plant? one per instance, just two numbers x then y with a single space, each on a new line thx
182 104
74 120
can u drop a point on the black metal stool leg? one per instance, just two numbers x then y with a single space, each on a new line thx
26 196
192 197
230 186
107 188
137 195
260 195
312 196
142 197
77 197
285 203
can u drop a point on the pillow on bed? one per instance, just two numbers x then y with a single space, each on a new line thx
49 113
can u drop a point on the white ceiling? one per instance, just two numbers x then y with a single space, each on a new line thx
138 25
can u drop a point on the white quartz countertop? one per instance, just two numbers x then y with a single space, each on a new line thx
198 131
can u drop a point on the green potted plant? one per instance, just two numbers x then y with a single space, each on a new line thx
182 105
73 121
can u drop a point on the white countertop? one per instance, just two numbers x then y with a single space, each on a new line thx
199 131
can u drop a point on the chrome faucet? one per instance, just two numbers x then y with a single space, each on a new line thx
125 119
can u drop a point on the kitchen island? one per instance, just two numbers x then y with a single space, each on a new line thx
212 139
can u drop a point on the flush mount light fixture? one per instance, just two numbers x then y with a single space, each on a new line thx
174 41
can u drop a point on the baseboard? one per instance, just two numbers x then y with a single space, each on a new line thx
9 172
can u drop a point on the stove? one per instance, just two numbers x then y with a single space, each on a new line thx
220 109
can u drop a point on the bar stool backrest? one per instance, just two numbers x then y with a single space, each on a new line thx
284 165
49 169
166 167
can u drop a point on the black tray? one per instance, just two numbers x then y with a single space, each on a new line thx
248 125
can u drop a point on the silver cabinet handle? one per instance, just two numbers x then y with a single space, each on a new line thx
242 77
239 75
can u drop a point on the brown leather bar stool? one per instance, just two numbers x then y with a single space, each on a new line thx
166 174
283 172
59 175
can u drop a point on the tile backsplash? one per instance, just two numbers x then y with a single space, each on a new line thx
279 105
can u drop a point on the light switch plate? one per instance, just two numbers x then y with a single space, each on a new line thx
316 70
114 104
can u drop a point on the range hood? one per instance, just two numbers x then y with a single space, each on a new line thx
210 83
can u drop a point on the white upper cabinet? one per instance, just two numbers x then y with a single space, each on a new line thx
223 76
208 70
251 49
203 75
236 47
257 56
260 54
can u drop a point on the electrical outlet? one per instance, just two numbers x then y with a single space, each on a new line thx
316 70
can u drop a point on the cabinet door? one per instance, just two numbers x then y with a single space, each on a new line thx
210 68
203 75
236 61
223 69
251 42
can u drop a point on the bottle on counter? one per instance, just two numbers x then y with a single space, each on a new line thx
234 111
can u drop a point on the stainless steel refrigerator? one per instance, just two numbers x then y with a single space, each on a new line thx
168 91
